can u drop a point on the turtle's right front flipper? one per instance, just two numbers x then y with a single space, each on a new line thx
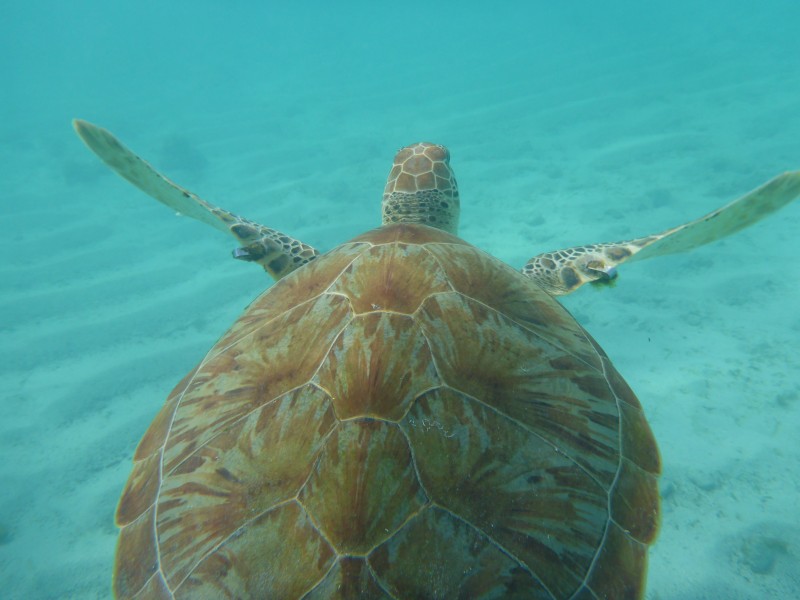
278 253
564 271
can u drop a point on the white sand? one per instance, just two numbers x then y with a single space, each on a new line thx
107 299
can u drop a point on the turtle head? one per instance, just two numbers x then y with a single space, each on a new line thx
422 188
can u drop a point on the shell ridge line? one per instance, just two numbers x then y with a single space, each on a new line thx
378 581
415 314
327 290
428 502
526 428
538 335
499 546
436 371
276 398
312 469
157 543
233 533
242 418
324 390
454 244
411 404
505 316
604 539
441 267
417 397
315 463
415 317
161 471
416 468
321 579
149 579
495 310
238 340
314 466
282 313
385 311
313 379
626 532
333 550
587 589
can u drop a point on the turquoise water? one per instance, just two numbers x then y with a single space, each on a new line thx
567 125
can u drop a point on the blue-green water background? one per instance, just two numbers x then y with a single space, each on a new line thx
577 123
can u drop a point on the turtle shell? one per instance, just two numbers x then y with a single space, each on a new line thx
404 417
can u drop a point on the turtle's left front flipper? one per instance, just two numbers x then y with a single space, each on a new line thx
278 253
564 271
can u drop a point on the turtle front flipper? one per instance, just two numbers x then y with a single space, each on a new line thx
278 253
564 271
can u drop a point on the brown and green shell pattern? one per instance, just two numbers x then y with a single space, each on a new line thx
404 417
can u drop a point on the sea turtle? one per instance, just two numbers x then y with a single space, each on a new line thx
404 416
